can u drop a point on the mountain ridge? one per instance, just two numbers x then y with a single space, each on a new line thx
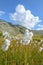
11 28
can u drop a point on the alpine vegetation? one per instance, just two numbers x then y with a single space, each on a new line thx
27 37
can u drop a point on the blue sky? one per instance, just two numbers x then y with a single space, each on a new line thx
8 10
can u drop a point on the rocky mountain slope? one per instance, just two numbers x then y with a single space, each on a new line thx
5 26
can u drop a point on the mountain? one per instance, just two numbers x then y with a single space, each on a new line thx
6 26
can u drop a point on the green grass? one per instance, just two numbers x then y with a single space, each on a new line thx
22 55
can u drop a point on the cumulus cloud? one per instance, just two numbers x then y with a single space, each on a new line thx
2 13
24 17
40 27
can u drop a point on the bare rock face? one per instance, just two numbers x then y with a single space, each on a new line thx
4 26
16 29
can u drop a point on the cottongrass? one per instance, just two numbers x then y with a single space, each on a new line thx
40 49
7 41
25 39
6 45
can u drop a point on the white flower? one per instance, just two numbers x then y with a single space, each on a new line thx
27 37
40 49
6 45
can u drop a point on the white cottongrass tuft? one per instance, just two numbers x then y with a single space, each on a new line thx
27 37
15 38
6 35
7 41
40 49
6 45
41 41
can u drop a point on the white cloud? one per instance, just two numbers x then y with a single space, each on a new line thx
40 27
24 17
2 13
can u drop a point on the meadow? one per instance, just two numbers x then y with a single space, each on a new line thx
18 54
